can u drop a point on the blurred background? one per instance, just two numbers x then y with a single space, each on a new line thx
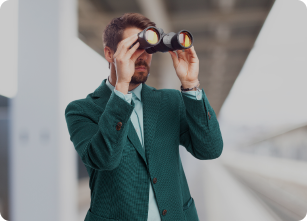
253 69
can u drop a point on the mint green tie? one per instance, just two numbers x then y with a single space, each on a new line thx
136 118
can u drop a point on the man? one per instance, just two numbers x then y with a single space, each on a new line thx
128 133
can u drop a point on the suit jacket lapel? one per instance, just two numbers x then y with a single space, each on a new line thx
151 103
151 99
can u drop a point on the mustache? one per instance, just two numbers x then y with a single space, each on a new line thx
142 63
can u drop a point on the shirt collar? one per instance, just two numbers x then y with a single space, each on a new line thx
137 91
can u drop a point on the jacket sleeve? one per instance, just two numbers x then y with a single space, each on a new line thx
199 129
100 145
196 95
126 97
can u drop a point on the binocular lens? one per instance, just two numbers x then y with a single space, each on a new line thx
151 36
185 39
154 39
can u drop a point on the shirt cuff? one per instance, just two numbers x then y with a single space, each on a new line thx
126 97
196 95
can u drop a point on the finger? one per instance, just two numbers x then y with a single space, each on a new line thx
118 50
137 54
174 58
182 55
132 49
133 53
191 51
133 45
192 54
129 41
126 43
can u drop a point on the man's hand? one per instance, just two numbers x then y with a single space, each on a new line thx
186 66
124 60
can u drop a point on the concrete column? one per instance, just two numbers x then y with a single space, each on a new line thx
157 12
43 170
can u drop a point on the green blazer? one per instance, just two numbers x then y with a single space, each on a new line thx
119 168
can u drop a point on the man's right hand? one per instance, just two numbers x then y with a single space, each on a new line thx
124 61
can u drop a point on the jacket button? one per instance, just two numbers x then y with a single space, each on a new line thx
154 180
164 212
209 115
119 125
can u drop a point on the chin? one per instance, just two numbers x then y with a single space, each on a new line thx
139 77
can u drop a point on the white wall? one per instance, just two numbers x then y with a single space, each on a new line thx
8 48
54 68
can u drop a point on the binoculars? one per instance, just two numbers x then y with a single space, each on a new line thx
154 39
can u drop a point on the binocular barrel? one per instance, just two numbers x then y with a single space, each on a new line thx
154 40
147 38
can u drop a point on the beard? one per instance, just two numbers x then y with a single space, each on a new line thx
140 77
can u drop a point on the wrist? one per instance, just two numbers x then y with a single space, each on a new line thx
190 84
122 87
194 89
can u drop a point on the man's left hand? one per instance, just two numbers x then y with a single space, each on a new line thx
186 66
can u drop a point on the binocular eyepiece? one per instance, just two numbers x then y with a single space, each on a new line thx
154 39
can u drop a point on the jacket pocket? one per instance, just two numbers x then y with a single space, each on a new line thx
188 204
190 211
93 217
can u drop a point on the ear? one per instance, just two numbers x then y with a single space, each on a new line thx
108 54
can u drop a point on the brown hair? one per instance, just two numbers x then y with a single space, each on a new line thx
113 32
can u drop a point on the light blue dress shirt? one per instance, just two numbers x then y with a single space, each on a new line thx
137 121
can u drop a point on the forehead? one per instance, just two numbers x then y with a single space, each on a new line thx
130 31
